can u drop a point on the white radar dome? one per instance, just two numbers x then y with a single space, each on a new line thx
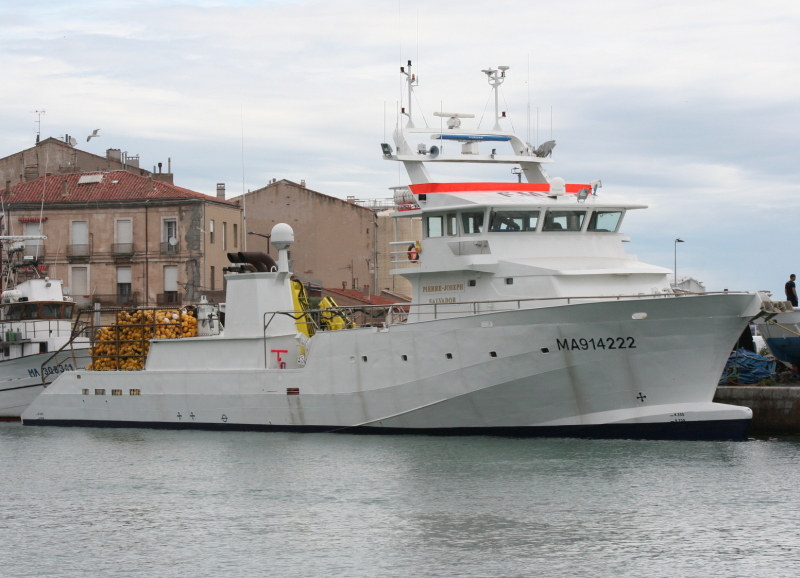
282 236
557 186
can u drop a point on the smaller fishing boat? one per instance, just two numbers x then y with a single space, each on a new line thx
780 328
36 328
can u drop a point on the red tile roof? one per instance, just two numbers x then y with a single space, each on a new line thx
114 186
359 296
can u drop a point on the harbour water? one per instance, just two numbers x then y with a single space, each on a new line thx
99 502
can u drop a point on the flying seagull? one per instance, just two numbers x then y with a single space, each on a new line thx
94 134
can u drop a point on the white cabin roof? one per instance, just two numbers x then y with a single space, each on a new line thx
438 196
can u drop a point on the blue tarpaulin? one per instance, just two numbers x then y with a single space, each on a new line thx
746 367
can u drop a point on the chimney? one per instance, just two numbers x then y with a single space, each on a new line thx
150 184
303 183
169 165
220 190
64 192
344 285
366 291
159 168
114 155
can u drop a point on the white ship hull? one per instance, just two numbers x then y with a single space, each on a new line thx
536 372
21 379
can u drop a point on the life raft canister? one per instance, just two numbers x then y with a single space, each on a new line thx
413 252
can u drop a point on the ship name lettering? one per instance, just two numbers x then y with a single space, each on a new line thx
442 300
442 288
51 370
605 343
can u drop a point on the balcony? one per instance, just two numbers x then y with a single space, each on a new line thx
33 251
168 248
78 253
168 298
122 249
113 299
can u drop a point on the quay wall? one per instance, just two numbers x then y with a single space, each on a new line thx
776 409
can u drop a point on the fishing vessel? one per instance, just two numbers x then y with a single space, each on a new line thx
528 319
36 332
780 328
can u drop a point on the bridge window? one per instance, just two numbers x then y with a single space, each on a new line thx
564 220
50 311
605 221
503 221
472 222
452 225
435 226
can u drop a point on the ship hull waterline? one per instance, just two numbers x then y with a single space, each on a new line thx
532 372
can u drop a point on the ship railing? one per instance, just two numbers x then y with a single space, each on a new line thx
355 317
405 255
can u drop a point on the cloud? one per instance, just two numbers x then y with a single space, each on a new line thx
690 106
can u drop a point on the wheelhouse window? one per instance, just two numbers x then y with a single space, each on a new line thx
503 221
435 226
452 224
564 220
605 221
50 311
472 223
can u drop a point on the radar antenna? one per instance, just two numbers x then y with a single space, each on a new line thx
496 78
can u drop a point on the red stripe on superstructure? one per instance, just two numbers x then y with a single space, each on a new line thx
426 188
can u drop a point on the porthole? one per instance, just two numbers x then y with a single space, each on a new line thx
364 358
545 350
404 357
449 356
493 354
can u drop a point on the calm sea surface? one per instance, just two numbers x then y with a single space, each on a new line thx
96 502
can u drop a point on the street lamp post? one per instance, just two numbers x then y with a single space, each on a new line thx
676 259
267 237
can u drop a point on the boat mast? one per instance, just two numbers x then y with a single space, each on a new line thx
496 78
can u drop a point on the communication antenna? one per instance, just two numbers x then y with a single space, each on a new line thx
38 122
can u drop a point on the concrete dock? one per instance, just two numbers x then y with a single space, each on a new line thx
776 408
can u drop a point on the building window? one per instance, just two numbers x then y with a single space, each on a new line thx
79 239
124 278
135 392
169 241
170 285
116 392
124 237
224 236
212 279
211 231
235 235
34 247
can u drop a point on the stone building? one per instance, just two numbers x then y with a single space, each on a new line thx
335 240
59 156
118 238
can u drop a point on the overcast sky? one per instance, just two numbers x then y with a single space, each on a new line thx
687 106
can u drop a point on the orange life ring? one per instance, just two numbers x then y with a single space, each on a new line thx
413 253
